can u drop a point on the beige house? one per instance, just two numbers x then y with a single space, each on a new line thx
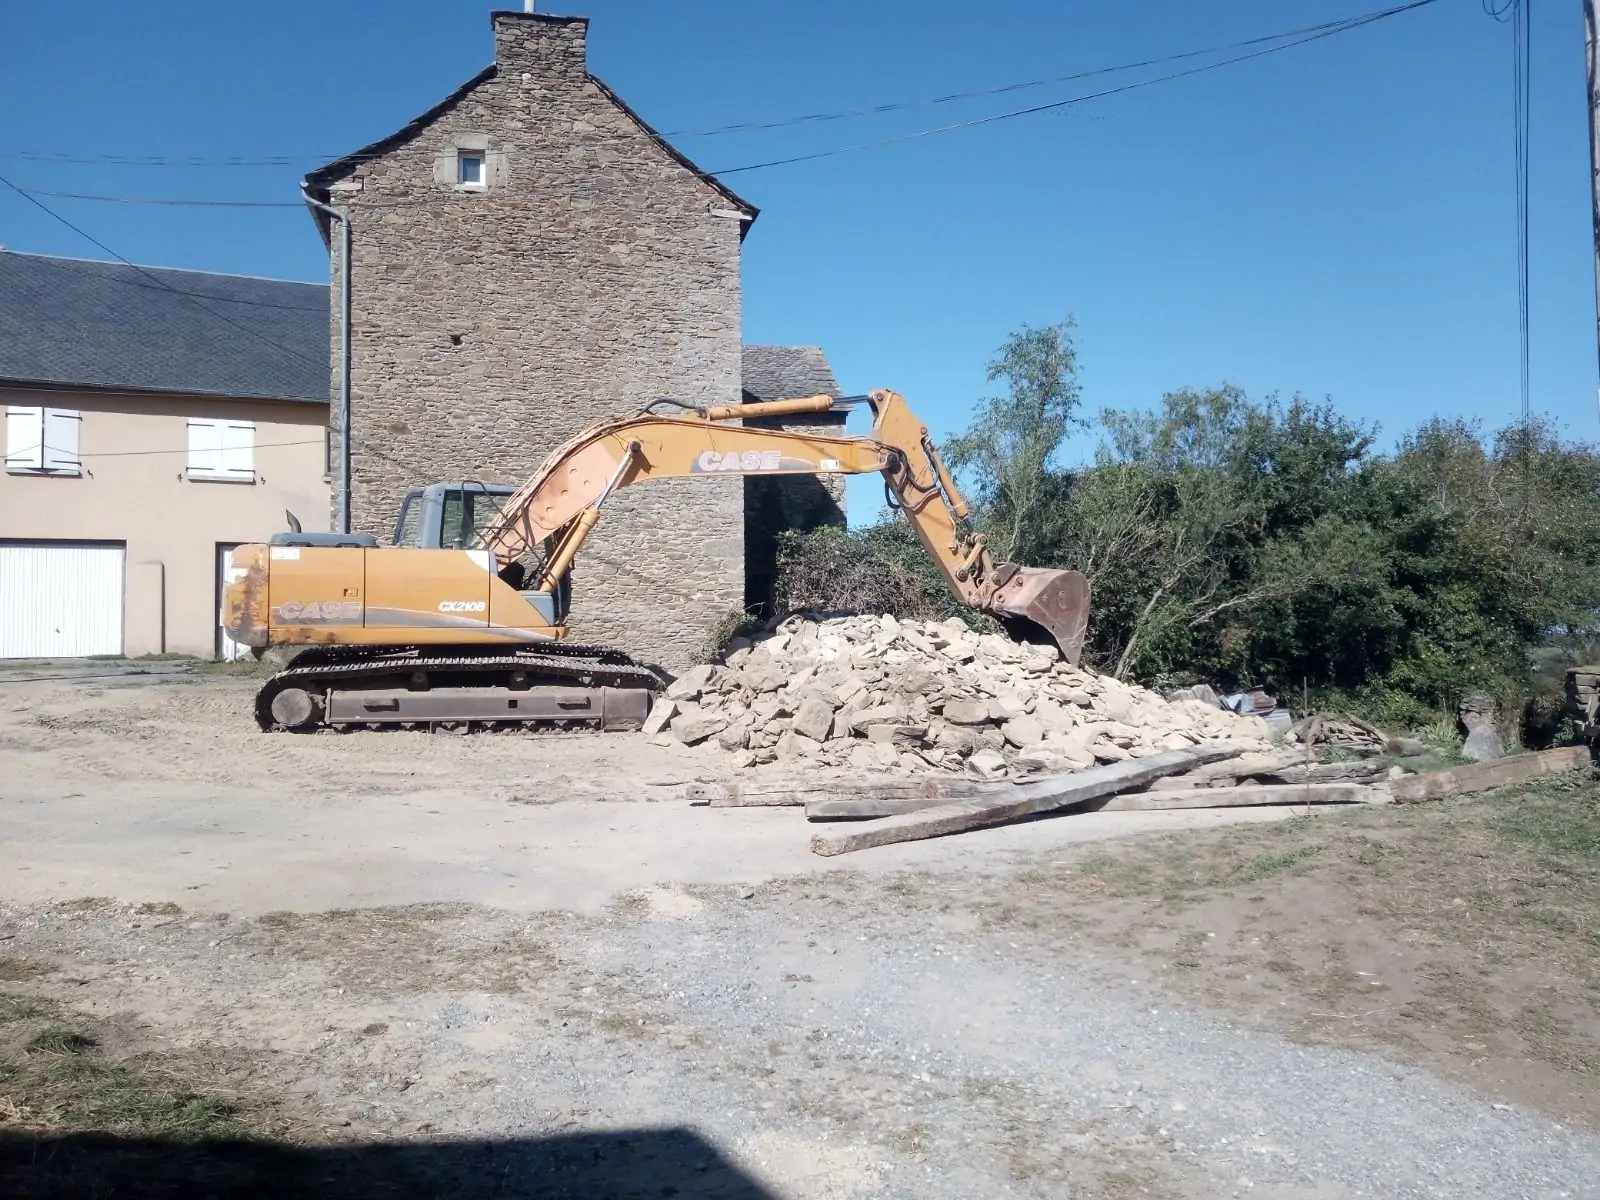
154 419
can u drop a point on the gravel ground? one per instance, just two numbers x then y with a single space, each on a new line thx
829 1054
855 1032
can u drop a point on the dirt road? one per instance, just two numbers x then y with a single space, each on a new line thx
526 968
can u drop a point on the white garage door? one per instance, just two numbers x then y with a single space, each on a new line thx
60 600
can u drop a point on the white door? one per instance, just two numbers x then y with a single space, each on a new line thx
227 648
60 599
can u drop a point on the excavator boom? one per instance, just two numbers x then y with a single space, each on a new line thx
579 477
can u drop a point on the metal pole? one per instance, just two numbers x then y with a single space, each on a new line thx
344 353
1590 24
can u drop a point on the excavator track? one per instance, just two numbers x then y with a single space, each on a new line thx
457 688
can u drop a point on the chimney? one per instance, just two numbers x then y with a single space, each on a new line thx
539 44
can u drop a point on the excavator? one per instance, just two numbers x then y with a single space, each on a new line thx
461 624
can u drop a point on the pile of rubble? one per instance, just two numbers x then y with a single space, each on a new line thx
874 693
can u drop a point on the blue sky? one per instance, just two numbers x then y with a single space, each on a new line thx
1335 220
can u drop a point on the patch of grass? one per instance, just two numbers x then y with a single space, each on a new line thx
59 1040
161 908
85 1095
21 1008
1559 817
87 904
15 970
1263 865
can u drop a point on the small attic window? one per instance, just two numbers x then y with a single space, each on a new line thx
469 169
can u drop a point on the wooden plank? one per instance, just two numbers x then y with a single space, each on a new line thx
1022 800
761 795
824 804
1250 764
1330 773
1243 796
832 808
1481 777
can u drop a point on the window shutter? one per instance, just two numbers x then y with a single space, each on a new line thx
205 448
61 427
238 450
24 439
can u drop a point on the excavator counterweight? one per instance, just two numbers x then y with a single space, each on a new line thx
463 620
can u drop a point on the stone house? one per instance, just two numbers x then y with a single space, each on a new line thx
528 257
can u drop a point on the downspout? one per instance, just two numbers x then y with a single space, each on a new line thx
344 351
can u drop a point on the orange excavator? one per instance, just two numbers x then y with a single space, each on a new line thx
462 623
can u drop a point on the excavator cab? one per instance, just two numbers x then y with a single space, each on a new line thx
449 516
453 516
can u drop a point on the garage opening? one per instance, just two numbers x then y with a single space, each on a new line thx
61 599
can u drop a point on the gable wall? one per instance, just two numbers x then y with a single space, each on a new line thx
588 279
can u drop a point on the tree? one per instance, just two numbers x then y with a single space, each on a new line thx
1202 514
1245 541
1008 451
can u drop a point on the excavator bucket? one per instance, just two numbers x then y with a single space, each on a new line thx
1056 602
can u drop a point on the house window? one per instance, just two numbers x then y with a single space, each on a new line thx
43 441
222 450
469 169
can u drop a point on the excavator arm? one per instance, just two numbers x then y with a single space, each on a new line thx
561 504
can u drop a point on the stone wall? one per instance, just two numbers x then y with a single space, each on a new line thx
777 504
773 506
593 273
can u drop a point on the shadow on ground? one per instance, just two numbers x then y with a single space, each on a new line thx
623 1165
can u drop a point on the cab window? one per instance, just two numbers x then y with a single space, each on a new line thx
465 514
408 529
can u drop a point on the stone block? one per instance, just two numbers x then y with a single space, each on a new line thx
661 712
693 725
813 716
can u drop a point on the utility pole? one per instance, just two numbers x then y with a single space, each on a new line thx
1589 31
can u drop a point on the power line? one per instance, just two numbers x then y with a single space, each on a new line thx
159 282
166 201
1291 38
181 450
1522 48
1298 38
1338 27
166 160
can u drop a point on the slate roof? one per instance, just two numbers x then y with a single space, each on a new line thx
78 323
785 372
73 322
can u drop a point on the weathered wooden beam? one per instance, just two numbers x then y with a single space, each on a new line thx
1245 795
761 795
1481 777
1022 800
833 808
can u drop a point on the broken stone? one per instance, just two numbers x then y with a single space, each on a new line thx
1023 731
1048 760
797 745
661 712
987 764
891 713
691 683
966 712
693 725
813 716
905 737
